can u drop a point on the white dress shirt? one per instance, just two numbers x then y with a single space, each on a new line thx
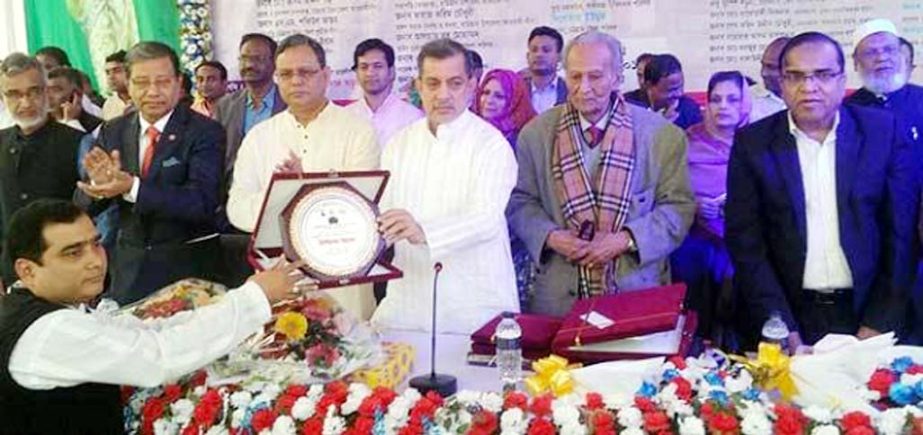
455 184
765 103
393 115
825 267
70 347
546 98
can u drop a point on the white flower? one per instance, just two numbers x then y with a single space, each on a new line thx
632 431
913 411
512 421
630 417
868 395
182 411
303 408
315 392
241 399
565 415
284 425
909 379
165 427
492 402
272 390
412 395
333 424
399 409
739 383
468 397
357 393
237 416
691 425
617 401
679 408
217 430
819 414
199 391
892 421
754 423
749 407
573 428
827 429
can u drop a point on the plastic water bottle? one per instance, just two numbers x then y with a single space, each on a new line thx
776 331
509 351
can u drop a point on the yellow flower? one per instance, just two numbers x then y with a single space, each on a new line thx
293 325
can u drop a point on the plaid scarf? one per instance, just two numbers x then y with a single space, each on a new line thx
607 205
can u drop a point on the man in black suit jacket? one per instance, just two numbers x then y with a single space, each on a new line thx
162 166
821 206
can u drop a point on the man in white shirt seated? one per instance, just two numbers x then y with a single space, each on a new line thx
311 135
451 177
374 67
60 366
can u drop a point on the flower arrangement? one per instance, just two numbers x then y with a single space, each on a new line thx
195 32
184 295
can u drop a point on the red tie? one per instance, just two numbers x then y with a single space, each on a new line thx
152 135
593 135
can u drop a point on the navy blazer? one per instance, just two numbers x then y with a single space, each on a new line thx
766 224
176 202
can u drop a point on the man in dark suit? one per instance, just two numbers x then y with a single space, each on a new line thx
162 166
821 206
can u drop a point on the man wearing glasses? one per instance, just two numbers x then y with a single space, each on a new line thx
312 135
38 156
820 210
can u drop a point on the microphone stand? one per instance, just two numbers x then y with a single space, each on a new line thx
444 385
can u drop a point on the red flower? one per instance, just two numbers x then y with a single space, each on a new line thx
594 401
656 422
881 381
362 426
127 392
412 428
915 369
678 361
603 423
285 403
645 404
683 389
198 379
435 398
425 407
296 390
370 405
191 429
861 430
206 411
483 423
151 411
854 420
788 424
263 419
541 405
313 425
338 390
723 422
515 399
386 395
172 393
708 411
322 354
541 426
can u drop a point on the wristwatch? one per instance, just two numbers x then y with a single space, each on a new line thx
632 247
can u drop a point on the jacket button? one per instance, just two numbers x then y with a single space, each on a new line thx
148 247
23 196
12 150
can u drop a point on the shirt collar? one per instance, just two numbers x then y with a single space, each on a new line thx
321 115
384 104
798 133
600 124
160 124
270 96
457 126
553 86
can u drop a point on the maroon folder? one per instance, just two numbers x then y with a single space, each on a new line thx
537 333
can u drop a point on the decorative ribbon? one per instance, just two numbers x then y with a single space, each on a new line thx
770 369
551 374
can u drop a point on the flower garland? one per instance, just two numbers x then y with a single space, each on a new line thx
686 399
195 33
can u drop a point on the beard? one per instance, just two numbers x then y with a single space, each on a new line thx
883 84
27 123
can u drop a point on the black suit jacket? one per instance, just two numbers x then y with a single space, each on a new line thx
766 223
175 204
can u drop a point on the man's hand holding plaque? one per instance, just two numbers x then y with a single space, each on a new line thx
397 225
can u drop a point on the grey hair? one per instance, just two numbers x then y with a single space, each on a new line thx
150 50
597 37
18 63
302 40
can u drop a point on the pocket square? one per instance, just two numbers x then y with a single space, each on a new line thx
172 161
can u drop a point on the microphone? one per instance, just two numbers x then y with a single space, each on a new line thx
444 385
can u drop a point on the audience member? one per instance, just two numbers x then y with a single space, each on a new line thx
64 95
478 63
211 83
702 261
53 57
640 65
38 156
373 62
821 206
663 86
162 167
541 76
907 52
119 103
767 99
600 164
312 135
451 176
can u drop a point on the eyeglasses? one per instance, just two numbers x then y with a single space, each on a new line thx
32 93
302 73
161 83
799 78
873 53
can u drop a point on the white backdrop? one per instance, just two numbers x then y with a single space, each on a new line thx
706 35
12 27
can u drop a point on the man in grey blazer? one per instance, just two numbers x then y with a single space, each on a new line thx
653 210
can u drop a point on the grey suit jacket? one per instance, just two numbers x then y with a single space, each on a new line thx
229 112
661 211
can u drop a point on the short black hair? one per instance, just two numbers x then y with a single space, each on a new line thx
909 45
150 50
216 65
726 76
24 235
444 49
118 56
643 57
549 32
271 43
302 40
373 44
68 73
476 59
55 52
812 38
661 66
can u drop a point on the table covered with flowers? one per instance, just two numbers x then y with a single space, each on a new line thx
313 371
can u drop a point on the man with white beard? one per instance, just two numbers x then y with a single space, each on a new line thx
38 156
881 65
